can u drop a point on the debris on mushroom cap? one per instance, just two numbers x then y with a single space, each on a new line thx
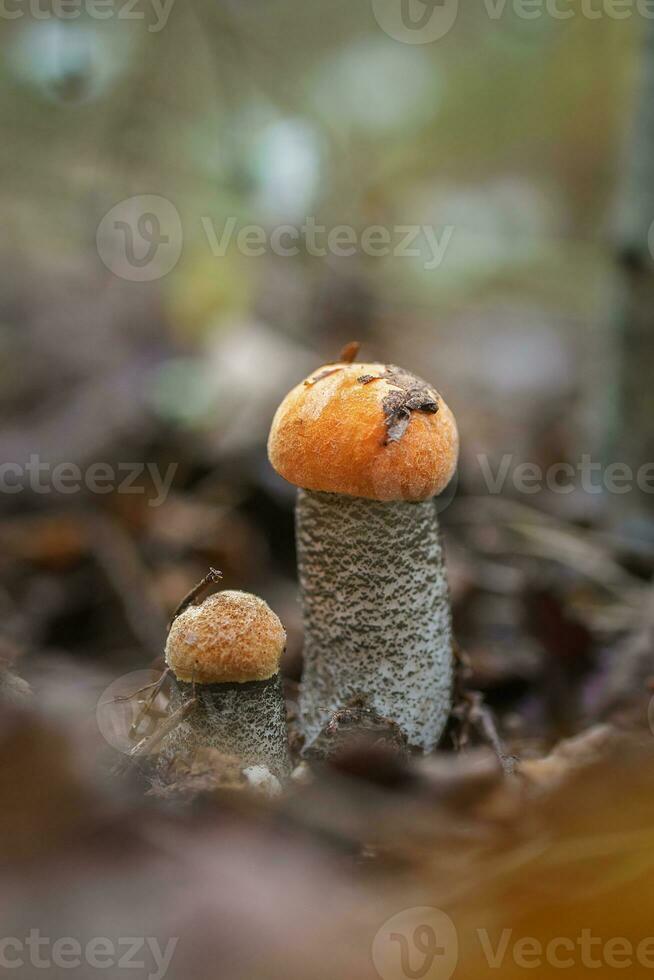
232 637
365 430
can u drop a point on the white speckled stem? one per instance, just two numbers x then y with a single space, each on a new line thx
376 613
246 720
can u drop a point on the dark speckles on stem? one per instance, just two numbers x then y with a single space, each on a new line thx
247 720
376 611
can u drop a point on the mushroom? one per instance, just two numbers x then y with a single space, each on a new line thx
225 655
368 446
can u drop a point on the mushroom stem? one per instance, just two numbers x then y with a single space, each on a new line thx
247 720
376 612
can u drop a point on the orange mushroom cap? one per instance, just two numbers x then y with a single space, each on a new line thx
365 430
230 637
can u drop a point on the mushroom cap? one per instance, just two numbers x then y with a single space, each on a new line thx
365 430
230 637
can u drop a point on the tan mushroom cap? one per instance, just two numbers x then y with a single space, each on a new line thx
230 637
354 429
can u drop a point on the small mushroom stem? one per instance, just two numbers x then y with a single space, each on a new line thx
376 613
246 720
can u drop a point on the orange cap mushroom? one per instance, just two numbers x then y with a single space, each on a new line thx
231 637
365 430
225 655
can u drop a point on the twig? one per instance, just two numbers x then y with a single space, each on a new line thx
148 703
349 353
150 742
212 576
471 712
134 694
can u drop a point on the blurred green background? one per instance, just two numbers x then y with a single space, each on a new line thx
508 131
135 326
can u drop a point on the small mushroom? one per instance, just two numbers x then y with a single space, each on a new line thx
225 655
369 445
